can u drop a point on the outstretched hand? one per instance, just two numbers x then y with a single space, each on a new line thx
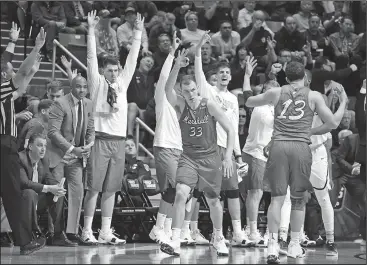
251 64
139 22
14 32
176 42
41 38
93 19
182 60
204 39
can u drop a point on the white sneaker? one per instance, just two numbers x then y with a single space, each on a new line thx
199 238
87 236
220 245
258 239
295 250
172 247
226 241
305 241
158 235
247 230
241 239
186 238
168 233
273 252
109 237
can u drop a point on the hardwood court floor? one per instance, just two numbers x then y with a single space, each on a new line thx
140 253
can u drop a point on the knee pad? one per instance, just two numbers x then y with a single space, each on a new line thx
233 194
197 194
169 195
298 204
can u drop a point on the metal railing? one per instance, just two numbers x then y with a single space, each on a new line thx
72 56
139 123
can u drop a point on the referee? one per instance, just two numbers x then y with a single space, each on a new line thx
13 85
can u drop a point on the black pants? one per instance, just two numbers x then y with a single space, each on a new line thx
43 202
10 191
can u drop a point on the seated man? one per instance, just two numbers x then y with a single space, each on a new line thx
39 188
140 91
76 15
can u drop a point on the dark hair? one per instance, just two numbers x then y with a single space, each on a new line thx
319 62
221 65
186 79
342 20
44 104
209 73
225 21
109 60
130 137
54 85
294 71
35 136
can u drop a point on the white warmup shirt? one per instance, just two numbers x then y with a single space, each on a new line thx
319 152
260 131
167 132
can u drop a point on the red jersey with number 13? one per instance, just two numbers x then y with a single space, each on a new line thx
292 115
198 130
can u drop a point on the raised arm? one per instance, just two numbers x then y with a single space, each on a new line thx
269 97
330 121
19 80
8 54
203 86
251 64
132 58
67 65
181 61
92 62
165 71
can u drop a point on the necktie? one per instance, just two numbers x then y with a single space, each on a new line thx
79 139
35 173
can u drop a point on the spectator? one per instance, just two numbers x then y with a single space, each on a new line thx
37 125
14 85
167 26
191 34
245 15
51 16
71 134
343 134
278 71
147 9
125 34
106 38
76 15
302 17
39 187
315 35
181 11
243 127
288 37
345 42
255 37
218 13
140 91
334 11
225 42
54 90
164 46
206 56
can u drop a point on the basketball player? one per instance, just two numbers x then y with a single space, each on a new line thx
228 102
290 156
200 164
167 151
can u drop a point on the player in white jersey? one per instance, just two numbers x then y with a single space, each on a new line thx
167 151
229 103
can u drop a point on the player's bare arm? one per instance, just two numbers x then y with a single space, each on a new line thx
331 121
222 119
269 97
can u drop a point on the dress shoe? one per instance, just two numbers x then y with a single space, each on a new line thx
6 241
63 241
77 239
33 246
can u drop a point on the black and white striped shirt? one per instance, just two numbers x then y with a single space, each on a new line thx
7 125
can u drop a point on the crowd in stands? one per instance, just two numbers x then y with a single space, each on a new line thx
329 37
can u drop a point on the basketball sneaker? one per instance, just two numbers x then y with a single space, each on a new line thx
172 247
273 252
258 240
283 247
220 245
331 249
110 237
87 236
295 250
305 241
241 239
199 238
158 235
186 238
226 241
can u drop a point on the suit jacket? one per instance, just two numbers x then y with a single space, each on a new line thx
345 155
62 125
26 173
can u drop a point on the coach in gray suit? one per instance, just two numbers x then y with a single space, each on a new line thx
71 134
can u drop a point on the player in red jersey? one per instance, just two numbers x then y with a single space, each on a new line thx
200 165
290 156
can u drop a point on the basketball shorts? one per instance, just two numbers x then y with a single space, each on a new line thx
204 174
166 163
255 179
289 163
320 169
232 182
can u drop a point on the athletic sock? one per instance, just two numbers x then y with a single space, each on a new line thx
88 221
236 226
160 220
330 236
186 226
176 232
295 237
253 227
106 224
167 224
194 226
